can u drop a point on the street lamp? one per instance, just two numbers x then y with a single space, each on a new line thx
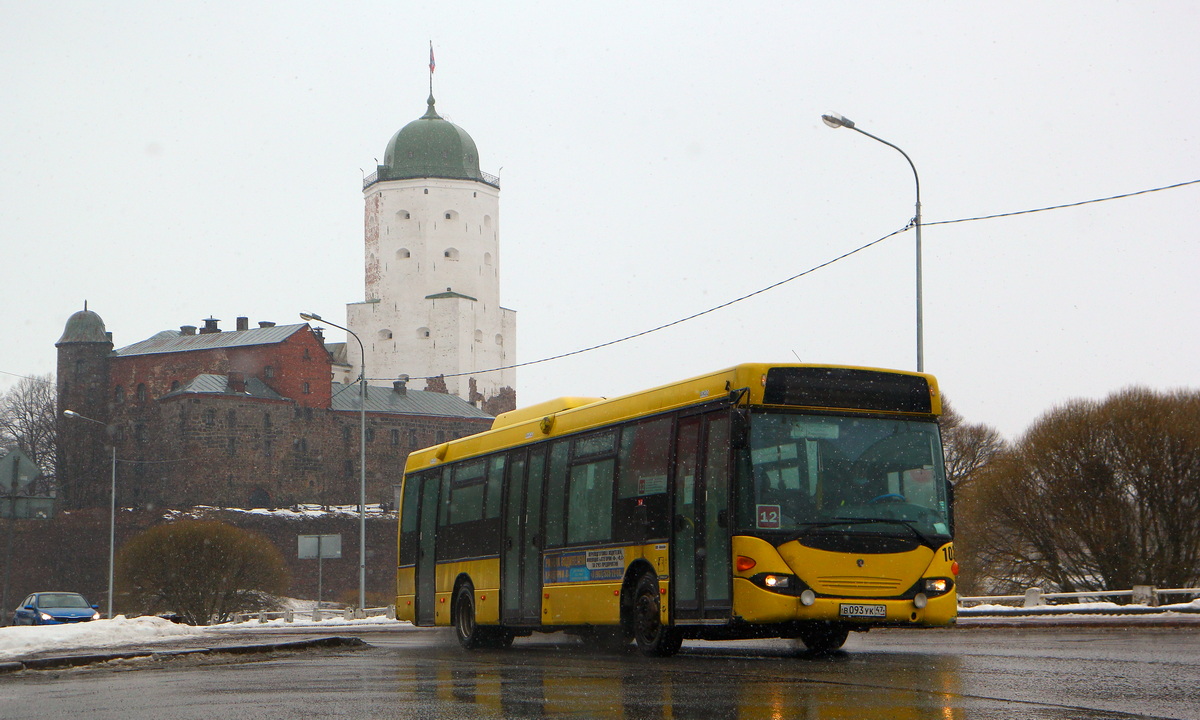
112 513
362 458
837 121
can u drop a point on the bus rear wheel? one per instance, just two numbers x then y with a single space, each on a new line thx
653 638
470 635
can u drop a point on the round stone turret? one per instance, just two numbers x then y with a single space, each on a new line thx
84 326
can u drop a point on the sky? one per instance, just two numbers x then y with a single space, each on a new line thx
170 162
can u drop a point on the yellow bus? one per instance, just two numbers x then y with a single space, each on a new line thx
795 501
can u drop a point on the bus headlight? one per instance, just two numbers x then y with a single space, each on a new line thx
932 587
779 582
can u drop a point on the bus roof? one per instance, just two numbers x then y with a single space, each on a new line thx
803 385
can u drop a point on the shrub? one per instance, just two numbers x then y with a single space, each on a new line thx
201 570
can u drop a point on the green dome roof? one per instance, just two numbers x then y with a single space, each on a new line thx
431 147
84 326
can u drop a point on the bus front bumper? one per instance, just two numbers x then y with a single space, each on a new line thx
755 605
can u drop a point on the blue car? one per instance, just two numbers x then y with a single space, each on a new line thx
55 608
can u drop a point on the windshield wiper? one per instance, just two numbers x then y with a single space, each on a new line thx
925 539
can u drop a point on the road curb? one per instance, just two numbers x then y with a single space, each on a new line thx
64 661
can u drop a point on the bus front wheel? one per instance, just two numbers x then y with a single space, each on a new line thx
654 639
824 638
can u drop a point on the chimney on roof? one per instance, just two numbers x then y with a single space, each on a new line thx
108 335
237 382
243 323
320 333
265 324
401 385
187 329
210 326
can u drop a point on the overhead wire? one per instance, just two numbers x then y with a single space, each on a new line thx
809 271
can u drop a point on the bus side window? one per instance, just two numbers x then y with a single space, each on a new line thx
643 464
589 503
495 480
556 492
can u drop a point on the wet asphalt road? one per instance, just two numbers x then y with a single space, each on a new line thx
958 673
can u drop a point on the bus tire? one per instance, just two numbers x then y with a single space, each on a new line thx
653 638
824 638
466 626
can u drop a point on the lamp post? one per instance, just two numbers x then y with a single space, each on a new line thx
362 458
112 513
837 121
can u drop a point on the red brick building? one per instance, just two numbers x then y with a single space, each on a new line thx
244 418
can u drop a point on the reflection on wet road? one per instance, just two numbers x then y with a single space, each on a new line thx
961 674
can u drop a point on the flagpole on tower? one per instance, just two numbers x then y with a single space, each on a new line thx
432 65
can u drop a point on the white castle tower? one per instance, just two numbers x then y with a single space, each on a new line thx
432 304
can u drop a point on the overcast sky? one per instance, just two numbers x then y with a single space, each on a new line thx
168 162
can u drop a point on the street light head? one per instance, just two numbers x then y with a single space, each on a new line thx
311 316
71 413
836 121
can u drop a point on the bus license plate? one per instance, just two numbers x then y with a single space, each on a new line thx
849 610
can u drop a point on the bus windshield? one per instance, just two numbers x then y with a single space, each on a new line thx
856 475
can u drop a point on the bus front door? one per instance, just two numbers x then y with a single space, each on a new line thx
427 555
701 574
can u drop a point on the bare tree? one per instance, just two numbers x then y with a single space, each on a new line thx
1098 495
969 449
27 421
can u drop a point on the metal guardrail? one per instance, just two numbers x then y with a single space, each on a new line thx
1144 595
317 614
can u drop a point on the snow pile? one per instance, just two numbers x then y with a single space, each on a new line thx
296 512
22 641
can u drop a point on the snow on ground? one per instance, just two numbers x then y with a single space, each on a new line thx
21 641
98 635
1089 607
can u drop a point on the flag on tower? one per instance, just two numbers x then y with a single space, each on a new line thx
432 64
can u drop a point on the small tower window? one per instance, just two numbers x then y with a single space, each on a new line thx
451 254
119 395
478 336
385 334
141 392
423 333
487 258
403 254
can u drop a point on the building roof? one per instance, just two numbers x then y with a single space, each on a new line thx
410 402
84 326
173 341
432 147
208 384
